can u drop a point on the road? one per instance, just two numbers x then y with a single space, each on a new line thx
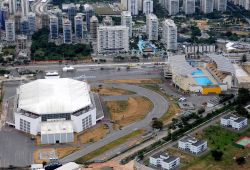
160 107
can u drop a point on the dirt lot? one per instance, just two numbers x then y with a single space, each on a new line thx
172 111
111 165
94 134
135 81
124 113
105 91
60 152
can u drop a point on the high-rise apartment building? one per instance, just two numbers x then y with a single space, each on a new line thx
53 25
173 7
220 5
71 12
3 17
79 26
67 31
169 34
12 6
10 30
93 27
133 7
89 12
126 20
147 7
152 27
189 6
32 22
25 7
24 26
112 39
207 6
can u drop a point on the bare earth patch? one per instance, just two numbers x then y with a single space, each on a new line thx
94 134
135 81
124 113
105 91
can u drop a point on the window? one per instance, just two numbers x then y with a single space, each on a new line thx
24 126
87 122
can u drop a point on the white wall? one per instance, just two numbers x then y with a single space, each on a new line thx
77 120
34 123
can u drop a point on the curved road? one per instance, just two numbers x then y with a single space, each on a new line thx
160 107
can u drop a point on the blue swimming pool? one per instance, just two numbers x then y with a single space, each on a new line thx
146 45
201 79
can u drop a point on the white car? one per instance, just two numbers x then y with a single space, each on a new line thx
68 68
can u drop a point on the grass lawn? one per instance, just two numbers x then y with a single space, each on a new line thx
109 146
124 113
173 106
105 91
221 139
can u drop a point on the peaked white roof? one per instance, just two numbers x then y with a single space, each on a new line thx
50 96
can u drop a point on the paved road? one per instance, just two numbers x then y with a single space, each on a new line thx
160 107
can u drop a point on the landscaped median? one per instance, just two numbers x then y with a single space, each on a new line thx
109 146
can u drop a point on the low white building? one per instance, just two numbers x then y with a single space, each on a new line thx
55 108
69 166
164 161
233 121
192 145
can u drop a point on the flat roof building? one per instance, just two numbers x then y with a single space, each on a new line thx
233 121
192 145
164 161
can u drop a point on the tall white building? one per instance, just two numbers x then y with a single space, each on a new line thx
78 26
165 161
25 7
124 5
152 27
147 7
32 22
169 34
67 31
220 5
112 39
53 25
246 4
93 27
207 6
12 7
189 6
133 7
126 20
10 30
173 7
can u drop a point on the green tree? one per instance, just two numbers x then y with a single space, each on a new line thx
241 160
244 58
157 124
217 155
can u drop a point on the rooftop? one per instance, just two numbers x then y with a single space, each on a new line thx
234 117
223 64
194 141
179 65
51 96
56 127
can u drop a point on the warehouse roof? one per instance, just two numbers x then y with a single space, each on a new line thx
51 96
